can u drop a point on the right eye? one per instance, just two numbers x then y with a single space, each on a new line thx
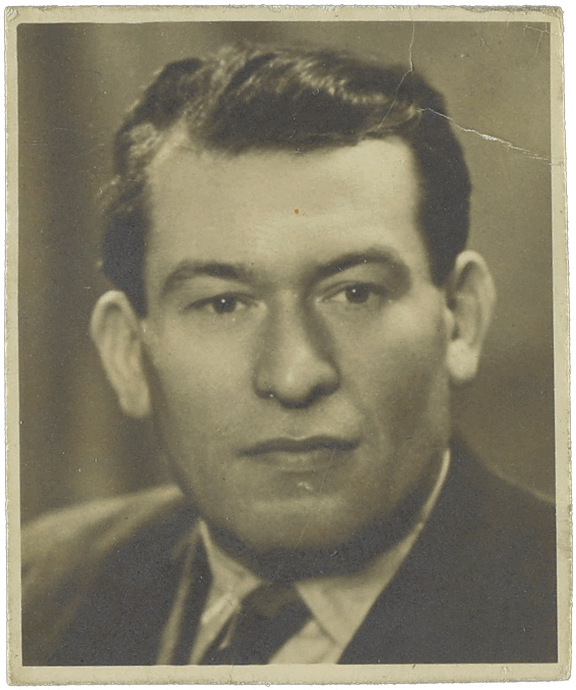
219 305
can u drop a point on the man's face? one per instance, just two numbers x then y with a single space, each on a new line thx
296 342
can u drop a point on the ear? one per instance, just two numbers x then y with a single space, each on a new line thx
115 330
471 296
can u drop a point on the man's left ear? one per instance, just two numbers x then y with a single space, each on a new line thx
470 297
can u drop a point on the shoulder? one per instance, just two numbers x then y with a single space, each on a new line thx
480 583
491 547
62 540
498 513
63 553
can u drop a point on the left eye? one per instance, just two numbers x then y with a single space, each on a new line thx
225 304
359 293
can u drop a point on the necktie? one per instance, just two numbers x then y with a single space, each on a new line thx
269 617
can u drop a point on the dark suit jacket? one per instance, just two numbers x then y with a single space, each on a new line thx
478 587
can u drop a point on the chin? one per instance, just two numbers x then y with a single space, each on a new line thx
300 549
296 540
294 536
300 525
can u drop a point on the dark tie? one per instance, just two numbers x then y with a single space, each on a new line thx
269 617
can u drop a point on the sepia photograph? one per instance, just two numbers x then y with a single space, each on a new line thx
287 325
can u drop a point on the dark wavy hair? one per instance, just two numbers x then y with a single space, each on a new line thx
258 97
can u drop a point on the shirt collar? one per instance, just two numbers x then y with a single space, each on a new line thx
231 581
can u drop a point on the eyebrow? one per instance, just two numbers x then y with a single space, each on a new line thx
373 255
187 270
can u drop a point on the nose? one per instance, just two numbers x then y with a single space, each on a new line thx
295 365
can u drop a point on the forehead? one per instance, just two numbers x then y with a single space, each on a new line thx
351 171
281 206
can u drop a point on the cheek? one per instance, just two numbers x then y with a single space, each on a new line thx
406 413
403 362
421 387
197 373
405 402
195 397
193 419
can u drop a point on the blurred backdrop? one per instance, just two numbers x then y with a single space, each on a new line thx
76 81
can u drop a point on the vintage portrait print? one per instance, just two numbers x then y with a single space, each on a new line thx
287 345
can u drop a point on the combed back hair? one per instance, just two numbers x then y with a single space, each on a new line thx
258 97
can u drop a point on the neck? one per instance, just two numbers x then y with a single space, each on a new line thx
286 566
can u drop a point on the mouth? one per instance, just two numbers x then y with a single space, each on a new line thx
312 454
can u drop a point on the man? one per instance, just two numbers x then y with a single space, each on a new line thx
294 304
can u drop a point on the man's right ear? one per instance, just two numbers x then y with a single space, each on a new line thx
115 330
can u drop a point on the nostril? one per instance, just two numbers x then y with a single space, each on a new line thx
298 399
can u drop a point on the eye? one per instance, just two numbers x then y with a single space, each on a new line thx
224 304
359 293
221 304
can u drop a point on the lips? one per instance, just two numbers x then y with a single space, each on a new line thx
312 454
305 445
